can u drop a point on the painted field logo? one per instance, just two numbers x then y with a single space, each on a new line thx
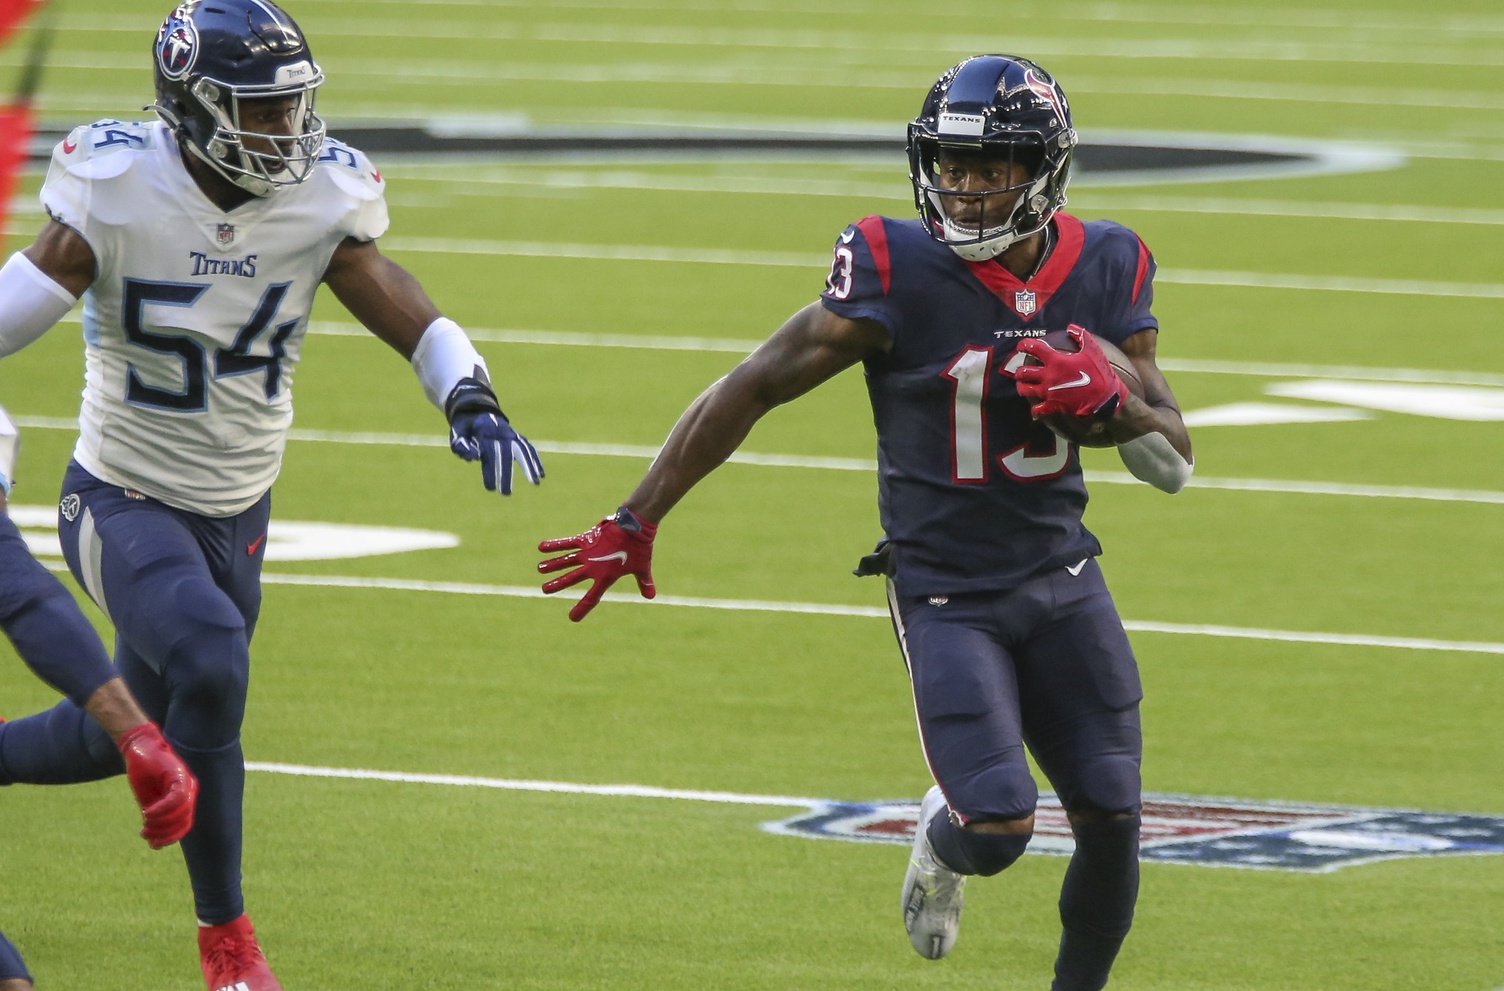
1209 831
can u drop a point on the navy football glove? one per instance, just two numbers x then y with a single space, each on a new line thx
478 429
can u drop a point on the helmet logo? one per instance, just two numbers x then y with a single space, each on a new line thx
297 72
1048 93
960 125
177 45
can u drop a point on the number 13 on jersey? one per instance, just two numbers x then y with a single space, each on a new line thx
969 376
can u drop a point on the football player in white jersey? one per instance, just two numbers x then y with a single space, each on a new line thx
197 243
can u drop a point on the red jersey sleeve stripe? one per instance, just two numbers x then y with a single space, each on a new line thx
877 242
1143 268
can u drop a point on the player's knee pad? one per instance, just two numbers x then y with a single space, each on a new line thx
1109 785
207 668
999 792
57 642
969 851
59 746
987 853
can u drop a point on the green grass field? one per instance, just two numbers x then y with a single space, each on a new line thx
1355 561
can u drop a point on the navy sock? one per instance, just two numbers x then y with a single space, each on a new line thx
212 847
61 746
11 964
1096 902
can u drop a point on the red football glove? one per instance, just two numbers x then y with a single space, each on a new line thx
1075 383
620 545
165 789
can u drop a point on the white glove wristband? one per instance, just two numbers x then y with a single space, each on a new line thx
30 303
444 355
1153 459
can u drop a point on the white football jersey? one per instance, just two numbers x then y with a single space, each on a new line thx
196 315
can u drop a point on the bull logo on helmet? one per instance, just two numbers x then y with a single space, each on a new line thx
1049 93
177 44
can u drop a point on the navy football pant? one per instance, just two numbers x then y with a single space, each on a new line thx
183 592
1049 666
49 631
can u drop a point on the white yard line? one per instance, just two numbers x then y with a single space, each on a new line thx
1419 376
1346 21
810 260
557 787
898 191
1430 644
647 453
825 609
1273 46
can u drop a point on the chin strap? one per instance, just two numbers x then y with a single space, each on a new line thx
1153 459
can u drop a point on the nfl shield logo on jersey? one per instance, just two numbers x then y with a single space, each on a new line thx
1024 302
224 235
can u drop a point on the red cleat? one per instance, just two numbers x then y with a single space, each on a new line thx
231 959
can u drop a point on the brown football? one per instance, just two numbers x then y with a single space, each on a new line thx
1079 430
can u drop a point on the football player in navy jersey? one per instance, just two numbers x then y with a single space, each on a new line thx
197 243
54 638
1002 615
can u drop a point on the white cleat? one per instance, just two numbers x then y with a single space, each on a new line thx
932 892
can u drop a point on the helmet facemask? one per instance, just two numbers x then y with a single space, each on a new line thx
271 160
982 224
1004 111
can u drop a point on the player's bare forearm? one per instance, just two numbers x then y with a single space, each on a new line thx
811 347
382 295
114 709
1158 412
63 256
708 432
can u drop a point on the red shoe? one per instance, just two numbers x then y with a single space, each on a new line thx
231 959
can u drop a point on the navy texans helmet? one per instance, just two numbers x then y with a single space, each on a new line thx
213 55
1000 107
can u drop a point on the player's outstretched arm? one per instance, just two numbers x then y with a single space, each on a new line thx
811 347
386 298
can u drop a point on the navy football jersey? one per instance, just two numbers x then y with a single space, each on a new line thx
975 495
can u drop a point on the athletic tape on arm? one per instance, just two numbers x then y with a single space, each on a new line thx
1153 459
444 355
30 303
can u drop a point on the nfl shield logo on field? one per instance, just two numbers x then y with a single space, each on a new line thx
1024 302
224 234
